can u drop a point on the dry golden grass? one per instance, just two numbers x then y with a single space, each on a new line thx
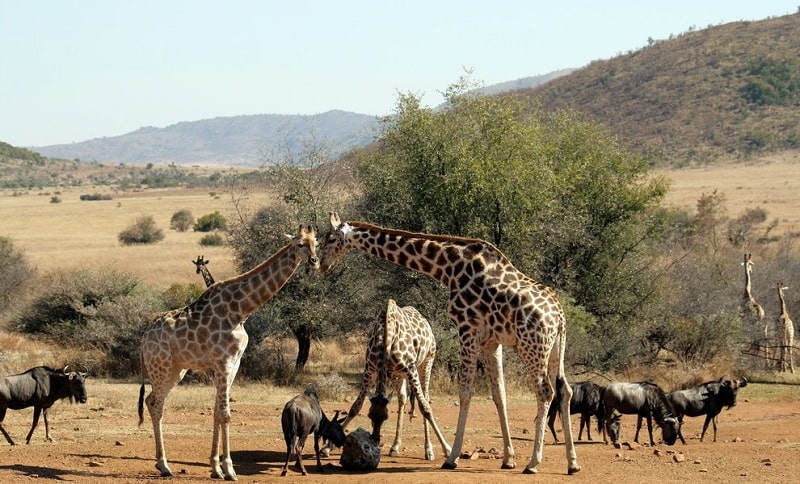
771 182
83 234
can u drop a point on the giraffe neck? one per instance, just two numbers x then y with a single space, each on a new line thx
207 276
251 290
747 284
439 257
783 302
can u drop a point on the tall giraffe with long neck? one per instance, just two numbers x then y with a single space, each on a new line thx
209 333
202 269
493 305
786 330
752 311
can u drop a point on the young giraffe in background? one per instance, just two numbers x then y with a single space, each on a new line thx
202 269
786 328
492 304
752 311
401 347
209 333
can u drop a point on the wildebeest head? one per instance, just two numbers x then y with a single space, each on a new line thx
670 429
613 427
728 389
378 413
76 382
334 432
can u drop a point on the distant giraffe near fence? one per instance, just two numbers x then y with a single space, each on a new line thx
753 313
492 305
202 269
786 330
209 333
401 348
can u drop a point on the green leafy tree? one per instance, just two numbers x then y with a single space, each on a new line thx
211 221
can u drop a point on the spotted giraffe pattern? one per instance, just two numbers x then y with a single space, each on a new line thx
401 348
210 334
202 269
786 329
752 311
492 305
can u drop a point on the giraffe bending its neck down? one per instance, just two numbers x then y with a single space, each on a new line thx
493 305
786 330
202 269
209 333
401 348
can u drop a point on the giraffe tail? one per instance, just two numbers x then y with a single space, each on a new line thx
141 390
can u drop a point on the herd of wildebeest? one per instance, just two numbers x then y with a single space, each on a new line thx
492 305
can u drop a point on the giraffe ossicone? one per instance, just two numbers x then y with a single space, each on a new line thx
209 334
493 305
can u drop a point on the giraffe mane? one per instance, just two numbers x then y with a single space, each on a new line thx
435 237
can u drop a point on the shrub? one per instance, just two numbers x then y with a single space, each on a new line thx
16 273
179 295
143 231
210 240
55 199
94 197
105 312
181 220
211 221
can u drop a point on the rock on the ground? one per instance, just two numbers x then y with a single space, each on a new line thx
360 452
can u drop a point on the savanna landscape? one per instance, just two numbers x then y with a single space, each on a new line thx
638 222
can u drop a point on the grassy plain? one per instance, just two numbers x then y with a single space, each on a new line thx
77 233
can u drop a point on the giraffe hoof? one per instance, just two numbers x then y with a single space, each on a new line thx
509 465
573 470
449 465
530 470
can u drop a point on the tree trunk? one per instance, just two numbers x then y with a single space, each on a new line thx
303 335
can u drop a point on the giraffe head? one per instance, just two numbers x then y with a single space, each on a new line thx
306 240
200 262
333 247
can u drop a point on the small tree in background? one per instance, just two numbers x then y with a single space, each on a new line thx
181 220
143 231
211 221
15 270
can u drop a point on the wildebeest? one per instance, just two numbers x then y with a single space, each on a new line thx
39 387
301 416
587 400
644 399
706 399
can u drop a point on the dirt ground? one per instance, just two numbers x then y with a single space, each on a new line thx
758 441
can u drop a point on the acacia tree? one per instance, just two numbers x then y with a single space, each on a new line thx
554 191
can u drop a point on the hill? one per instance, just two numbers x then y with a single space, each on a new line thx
245 140
232 141
726 91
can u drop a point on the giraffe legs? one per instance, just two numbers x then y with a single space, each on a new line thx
423 398
469 361
161 384
493 357
402 399
222 468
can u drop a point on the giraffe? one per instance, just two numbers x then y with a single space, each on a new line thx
786 328
493 305
401 347
202 269
751 310
209 333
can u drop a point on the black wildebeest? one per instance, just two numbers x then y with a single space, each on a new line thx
301 416
39 387
644 399
587 400
706 399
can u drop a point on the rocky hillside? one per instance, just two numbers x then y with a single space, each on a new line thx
728 90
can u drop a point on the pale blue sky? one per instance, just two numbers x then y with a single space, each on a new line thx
75 70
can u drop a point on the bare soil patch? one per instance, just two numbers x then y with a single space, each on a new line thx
758 441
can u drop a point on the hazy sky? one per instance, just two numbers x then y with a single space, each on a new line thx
75 70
